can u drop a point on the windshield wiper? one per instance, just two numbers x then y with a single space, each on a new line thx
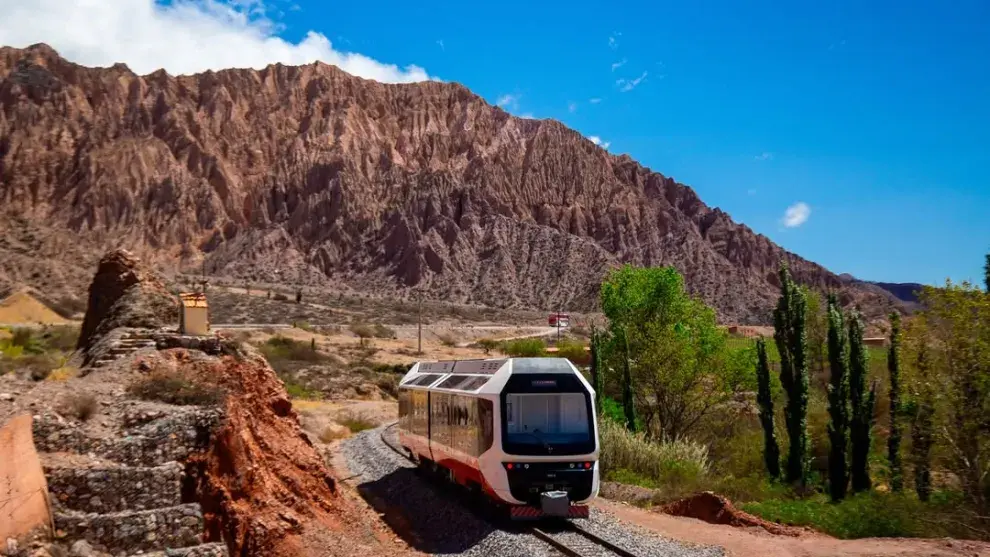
540 439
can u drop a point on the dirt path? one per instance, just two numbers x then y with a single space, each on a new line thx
739 542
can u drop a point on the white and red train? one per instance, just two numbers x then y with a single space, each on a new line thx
523 431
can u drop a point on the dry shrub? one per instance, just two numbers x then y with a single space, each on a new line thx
447 339
40 366
381 331
389 384
355 422
362 331
79 405
673 463
331 434
174 387
63 373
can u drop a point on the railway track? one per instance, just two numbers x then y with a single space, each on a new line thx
567 538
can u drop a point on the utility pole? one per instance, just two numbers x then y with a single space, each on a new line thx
419 324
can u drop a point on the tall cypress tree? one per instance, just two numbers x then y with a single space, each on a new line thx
771 452
597 370
838 402
789 335
986 274
922 430
628 404
894 441
862 406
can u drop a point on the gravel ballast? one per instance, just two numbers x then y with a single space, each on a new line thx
438 522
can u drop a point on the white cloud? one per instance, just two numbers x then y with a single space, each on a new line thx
440 42
764 156
595 100
183 37
626 85
796 214
619 64
508 100
598 141
572 107
613 43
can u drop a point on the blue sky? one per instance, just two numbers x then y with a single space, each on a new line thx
875 115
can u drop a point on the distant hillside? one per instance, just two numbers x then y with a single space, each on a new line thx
309 173
904 291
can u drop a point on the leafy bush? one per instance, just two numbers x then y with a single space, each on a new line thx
298 390
574 351
869 514
27 340
279 297
524 348
172 387
397 369
80 405
285 353
678 466
487 344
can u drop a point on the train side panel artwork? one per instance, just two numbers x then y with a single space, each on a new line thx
522 430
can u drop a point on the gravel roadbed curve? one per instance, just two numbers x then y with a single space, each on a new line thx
439 523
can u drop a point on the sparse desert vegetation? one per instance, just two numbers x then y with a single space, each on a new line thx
175 387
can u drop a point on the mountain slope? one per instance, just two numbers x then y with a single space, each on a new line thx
310 171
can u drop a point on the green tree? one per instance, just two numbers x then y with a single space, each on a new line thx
628 402
862 404
764 397
676 365
817 334
838 402
789 335
986 274
684 370
956 321
893 367
630 298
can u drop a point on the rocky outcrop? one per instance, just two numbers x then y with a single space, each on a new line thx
309 171
124 293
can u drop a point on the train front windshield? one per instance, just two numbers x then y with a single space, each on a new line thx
547 418
546 414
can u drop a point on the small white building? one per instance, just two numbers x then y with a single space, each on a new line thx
194 315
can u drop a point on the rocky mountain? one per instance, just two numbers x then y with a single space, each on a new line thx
310 172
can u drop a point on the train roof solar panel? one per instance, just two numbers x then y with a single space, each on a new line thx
425 380
540 365
463 383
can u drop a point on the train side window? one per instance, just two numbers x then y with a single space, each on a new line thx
486 417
